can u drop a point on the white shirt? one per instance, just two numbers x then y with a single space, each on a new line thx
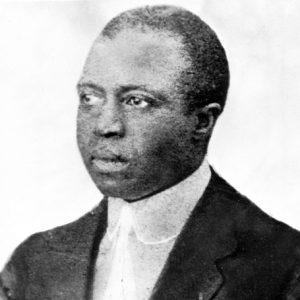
140 236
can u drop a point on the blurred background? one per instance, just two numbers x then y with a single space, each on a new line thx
43 45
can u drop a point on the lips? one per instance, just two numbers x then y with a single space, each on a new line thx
108 162
108 156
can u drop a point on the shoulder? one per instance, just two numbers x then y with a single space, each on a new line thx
265 247
247 219
256 232
266 257
60 237
40 247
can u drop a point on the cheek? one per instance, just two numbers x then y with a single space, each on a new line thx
84 133
165 140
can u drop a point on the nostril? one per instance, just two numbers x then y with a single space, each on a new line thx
109 129
110 134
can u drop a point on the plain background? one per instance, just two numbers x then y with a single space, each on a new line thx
43 46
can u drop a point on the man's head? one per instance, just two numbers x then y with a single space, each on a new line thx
152 87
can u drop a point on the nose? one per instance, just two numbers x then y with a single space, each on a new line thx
109 121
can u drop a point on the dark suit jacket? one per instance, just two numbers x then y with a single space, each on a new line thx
229 249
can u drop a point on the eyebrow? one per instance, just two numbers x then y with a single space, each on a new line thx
82 85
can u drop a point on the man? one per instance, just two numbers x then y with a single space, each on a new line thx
169 227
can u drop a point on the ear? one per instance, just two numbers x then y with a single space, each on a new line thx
206 119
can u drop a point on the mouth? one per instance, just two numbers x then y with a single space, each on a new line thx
108 163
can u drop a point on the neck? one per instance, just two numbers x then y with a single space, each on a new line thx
183 176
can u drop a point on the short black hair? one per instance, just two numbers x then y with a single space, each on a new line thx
207 79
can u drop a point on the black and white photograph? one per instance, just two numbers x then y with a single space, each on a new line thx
150 150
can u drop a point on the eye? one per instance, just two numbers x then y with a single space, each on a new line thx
137 101
89 99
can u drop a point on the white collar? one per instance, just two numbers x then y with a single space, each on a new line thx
159 218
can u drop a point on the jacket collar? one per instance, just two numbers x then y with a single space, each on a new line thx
191 271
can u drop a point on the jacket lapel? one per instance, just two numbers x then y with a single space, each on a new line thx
72 257
191 271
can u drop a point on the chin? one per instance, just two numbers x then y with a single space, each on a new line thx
128 190
112 187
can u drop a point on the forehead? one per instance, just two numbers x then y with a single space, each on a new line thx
136 58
